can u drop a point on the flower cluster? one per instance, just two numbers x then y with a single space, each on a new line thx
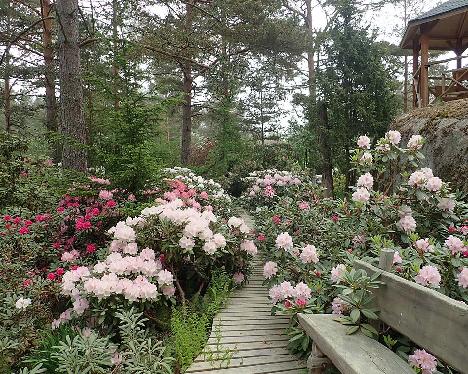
301 293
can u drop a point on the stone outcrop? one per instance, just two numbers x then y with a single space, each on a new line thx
445 128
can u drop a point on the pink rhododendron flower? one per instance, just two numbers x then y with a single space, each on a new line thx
428 276
27 283
366 159
249 247
302 291
415 142
111 204
204 195
270 269
70 256
301 303
420 359
423 245
361 195
309 254
238 277
81 224
433 184
284 241
337 273
276 219
269 191
417 179
363 142
393 137
261 237
304 205
366 181
446 204
407 223
463 278
339 306
105 195
454 244
131 197
397 258
99 180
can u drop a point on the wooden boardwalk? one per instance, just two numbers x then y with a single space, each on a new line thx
246 339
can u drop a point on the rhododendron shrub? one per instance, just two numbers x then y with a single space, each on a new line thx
267 186
395 203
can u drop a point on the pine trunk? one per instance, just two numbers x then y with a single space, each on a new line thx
49 74
187 87
327 166
73 126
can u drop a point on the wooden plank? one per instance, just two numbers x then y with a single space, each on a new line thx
280 367
257 332
429 318
253 345
248 353
240 362
351 354
233 321
249 327
248 339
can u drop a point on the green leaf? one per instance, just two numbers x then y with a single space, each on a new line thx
352 329
355 315
369 314
370 328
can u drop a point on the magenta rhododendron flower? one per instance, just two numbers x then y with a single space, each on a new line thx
422 360
23 230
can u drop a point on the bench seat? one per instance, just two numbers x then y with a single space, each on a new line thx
351 354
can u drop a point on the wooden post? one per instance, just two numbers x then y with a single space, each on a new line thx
317 361
415 69
424 76
386 259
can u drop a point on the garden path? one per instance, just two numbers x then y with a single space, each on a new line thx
245 338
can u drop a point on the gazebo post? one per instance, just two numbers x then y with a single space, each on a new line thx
415 81
424 76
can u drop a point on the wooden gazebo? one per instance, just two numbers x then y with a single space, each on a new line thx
444 28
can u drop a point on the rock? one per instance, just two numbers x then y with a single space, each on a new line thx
445 128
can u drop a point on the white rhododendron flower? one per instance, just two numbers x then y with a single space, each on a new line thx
361 195
285 241
393 137
366 180
415 142
366 158
22 303
363 142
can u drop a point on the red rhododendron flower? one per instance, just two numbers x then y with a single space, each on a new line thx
81 224
28 222
452 229
261 237
8 226
276 219
51 276
60 271
287 304
301 303
23 230
95 212
7 218
335 218
91 248
60 209
74 267
317 273
56 245
27 282
17 220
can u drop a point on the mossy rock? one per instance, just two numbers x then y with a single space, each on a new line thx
445 128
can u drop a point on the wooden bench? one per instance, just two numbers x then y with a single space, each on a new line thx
434 321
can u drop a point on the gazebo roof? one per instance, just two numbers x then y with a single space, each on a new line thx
446 25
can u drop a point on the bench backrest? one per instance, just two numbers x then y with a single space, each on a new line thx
432 320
